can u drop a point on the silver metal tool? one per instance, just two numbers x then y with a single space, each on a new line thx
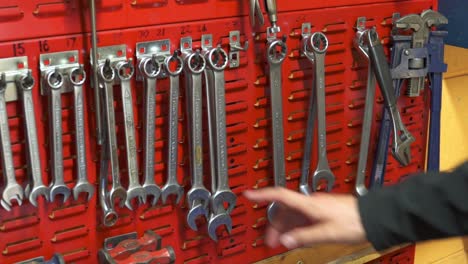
256 13
150 69
198 197
275 61
94 57
360 43
77 78
270 6
12 191
25 84
318 43
172 186
125 71
402 138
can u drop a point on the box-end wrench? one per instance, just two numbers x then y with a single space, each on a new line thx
402 138
109 216
54 81
275 61
172 186
12 191
107 74
360 43
25 84
198 197
125 71
150 69
77 79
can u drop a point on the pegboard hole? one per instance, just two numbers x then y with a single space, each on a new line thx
47 62
412 101
186 45
164 47
142 50
71 59
232 161
207 42
234 56
119 53
234 38
411 119
20 65
231 140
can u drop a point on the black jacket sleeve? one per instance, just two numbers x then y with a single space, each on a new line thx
423 207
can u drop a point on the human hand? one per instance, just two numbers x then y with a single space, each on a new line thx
304 220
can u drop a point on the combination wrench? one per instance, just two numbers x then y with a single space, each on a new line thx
402 138
150 69
198 197
125 71
12 191
319 45
172 186
25 84
77 79
275 61
54 81
107 74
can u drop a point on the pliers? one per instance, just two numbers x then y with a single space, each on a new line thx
256 14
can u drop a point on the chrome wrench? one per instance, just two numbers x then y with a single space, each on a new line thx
77 79
198 196
12 191
25 84
150 69
172 186
54 81
125 71
319 45
107 74
275 61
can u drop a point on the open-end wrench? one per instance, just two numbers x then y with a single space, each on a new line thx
275 62
319 44
77 79
12 191
125 71
172 186
361 45
198 197
150 69
107 74
25 84
402 138
54 81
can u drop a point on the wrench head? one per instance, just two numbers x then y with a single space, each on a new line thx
196 209
305 189
202 195
118 194
5 205
220 198
13 192
433 18
276 52
216 221
57 189
401 149
135 192
323 174
174 189
83 187
110 218
154 191
412 21
36 191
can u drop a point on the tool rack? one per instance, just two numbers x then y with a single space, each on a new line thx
32 28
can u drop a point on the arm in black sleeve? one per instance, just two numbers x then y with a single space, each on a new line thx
426 206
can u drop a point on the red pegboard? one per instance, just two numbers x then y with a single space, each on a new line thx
401 256
74 229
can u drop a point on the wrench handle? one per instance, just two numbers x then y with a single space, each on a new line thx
211 133
172 144
194 99
130 140
55 104
80 143
312 109
5 144
149 123
270 6
321 108
433 157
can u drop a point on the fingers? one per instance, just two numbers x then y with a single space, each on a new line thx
304 236
291 199
272 237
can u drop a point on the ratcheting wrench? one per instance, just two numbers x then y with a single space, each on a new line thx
12 191
402 138
107 74
360 42
198 196
54 81
275 61
125 71
25 84
77 78
150 69
172 186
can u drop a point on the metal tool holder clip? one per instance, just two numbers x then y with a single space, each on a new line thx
12 68
62 62
159 49
235 48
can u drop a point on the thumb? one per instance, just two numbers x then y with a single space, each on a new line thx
303 236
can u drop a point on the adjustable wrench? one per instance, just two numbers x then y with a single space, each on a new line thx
319 45
77 79
54 81
172 186
12 189
360 44
150 69
125 71
275 61
107 74
402 138
25 84
198 196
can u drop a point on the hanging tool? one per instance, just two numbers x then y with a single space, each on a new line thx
124 248
95 75
256 14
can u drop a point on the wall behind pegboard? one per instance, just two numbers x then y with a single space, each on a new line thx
30 28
